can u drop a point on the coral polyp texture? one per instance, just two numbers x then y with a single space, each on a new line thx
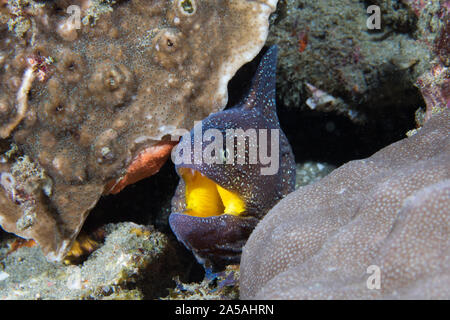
87 86
387 216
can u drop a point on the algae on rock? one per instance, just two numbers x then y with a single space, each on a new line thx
327 44
135 262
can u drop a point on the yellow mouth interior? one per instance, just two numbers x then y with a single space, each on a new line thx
205 198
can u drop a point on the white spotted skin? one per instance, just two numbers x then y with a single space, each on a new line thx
391 210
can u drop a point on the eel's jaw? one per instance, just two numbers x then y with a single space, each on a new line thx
213 226
205 198
216 241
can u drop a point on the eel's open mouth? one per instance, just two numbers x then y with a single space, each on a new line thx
205 198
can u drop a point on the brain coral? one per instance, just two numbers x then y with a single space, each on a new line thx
387 215
81 99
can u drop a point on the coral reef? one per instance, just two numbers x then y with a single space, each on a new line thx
435 84
220 286
87 87
223 285
92 90
135 262
331 61
389 212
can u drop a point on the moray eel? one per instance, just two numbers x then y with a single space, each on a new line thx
234 166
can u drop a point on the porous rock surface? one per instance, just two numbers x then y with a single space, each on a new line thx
135 262
389 212
78 105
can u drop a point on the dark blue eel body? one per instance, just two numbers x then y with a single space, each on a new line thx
218 240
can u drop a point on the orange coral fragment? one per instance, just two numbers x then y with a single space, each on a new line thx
20 243
147 163
83 246
302 41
